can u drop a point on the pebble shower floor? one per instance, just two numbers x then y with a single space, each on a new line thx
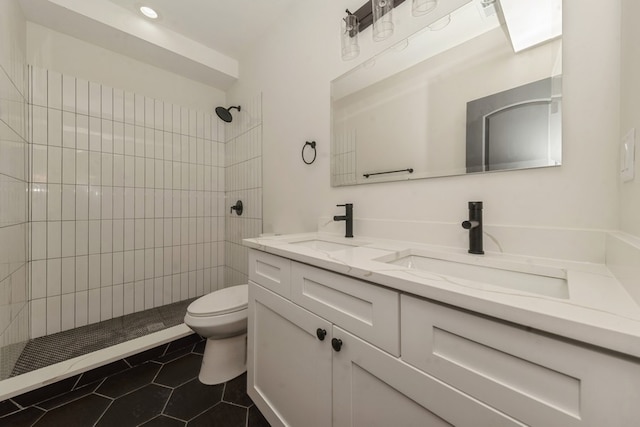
51 349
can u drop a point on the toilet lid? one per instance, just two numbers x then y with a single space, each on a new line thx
223 301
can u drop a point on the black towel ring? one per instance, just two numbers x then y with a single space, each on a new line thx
313 146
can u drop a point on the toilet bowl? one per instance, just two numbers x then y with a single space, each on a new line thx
221 318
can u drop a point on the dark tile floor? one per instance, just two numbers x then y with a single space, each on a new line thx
158 387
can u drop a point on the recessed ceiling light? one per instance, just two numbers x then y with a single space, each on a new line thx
148 12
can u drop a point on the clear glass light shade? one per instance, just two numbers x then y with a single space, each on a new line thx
422 7
382 19
349 37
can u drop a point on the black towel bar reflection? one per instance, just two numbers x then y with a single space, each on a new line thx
367 175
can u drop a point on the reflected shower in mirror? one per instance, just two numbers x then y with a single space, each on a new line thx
406 109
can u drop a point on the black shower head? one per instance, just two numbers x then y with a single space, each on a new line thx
225 113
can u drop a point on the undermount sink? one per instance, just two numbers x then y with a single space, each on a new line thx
322 245
540 280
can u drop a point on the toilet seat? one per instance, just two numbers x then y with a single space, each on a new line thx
223 301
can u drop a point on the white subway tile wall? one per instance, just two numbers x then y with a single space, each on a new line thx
14 291
127 202
243 181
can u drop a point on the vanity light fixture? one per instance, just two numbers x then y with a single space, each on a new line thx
349 36
148 12
378 13
365 13
382 19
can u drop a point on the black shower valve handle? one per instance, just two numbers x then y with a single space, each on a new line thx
237 207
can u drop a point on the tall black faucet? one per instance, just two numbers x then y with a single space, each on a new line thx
347 217
474 225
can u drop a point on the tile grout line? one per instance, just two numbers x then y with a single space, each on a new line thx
105 409
200 413
166 402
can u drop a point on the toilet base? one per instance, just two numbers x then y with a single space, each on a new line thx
223 359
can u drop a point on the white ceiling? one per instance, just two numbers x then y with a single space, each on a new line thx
200 39
228 26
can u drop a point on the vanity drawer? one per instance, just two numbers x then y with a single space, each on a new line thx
364 309
270 271
534 378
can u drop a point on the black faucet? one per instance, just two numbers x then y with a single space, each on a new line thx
474 225
348 218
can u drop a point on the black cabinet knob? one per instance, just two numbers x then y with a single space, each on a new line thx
321 333
336 344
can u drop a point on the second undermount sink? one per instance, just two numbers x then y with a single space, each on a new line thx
542 280
322 245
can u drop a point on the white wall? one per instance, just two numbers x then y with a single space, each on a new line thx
67 55
293 67
630 114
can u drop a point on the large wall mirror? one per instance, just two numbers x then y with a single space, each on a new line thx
478 90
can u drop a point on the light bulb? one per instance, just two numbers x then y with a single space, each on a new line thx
149 12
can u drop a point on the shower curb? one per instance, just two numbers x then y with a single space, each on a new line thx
15 386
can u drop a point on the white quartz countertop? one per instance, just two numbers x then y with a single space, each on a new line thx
596 310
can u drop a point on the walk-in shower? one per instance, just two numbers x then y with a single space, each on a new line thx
128 216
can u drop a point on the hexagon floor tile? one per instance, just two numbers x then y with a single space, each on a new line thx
156 388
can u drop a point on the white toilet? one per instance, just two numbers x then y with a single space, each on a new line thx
221 317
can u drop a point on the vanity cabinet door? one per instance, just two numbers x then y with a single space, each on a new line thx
270 271
367 310
373 389
289 367
534 378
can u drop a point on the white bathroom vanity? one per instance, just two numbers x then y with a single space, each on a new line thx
371 332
